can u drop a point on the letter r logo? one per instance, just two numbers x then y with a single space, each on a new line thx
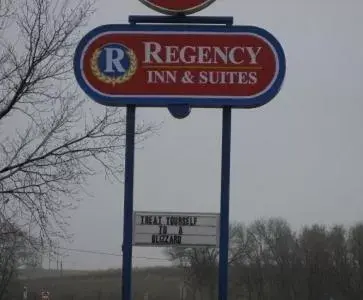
114 57
113 63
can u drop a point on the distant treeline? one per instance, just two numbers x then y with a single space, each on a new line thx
269 261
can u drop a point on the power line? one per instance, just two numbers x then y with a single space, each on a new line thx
111 254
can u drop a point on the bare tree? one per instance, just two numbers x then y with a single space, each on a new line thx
280 250
355 246
200 268
51 139
240 260
16 250
200 265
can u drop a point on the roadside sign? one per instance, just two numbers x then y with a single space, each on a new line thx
161 65
175 62
168 229
185 7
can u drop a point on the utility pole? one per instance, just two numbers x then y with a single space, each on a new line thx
25 293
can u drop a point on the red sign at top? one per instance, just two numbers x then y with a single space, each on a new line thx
172 7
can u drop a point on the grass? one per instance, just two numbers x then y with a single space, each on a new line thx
160 283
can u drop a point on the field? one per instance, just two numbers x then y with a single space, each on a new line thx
157 283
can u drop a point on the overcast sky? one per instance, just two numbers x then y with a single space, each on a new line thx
298 157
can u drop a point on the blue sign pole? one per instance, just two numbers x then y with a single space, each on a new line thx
224 208
128 203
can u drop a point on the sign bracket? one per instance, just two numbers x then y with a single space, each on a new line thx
179 111
181 19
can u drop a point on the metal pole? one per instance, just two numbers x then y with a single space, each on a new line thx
224 208
128 203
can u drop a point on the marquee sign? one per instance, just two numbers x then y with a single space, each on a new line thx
160 65
177 7
166 229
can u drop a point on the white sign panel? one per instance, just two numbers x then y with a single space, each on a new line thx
167 229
